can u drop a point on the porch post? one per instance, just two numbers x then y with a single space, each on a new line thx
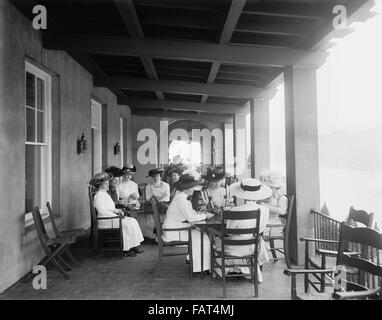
260 150
301 152
240 161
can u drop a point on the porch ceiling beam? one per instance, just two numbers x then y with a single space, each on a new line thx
171 86
231 21
218 108
130 19
183 50
183 115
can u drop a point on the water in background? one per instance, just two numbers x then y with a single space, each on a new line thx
343 188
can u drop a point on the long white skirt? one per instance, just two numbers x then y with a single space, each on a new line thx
132 234
196 247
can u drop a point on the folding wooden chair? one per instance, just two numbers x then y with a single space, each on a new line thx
74 233
162 244
53 247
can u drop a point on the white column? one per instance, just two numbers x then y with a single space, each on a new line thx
301 152
260 150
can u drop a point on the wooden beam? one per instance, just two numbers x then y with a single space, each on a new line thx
201 117
225 53
171 86
232 19
217 108
130 18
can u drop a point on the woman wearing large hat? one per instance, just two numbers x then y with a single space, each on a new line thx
127 189
180 214
215 196
116 174
132 235
250 190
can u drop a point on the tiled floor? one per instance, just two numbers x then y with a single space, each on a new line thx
106 276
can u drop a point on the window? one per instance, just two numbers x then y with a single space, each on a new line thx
38 122
96 137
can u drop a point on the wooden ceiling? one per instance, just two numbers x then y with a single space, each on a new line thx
206 56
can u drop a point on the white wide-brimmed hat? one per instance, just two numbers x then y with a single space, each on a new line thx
273 179
250 189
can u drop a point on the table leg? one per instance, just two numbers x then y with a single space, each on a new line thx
202 254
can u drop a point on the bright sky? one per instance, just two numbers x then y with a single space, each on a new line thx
349 86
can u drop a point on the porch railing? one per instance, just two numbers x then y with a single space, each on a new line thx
327 228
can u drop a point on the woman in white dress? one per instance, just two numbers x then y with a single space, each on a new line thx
157 189
277 203
250 190
127 189
180 214
132 235
215 196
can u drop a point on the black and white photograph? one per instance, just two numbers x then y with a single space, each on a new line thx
191 154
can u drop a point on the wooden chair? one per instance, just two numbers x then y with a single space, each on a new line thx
163 244
218 252
53 247
271 239
360 216
326 258
75 233
102 236
367 261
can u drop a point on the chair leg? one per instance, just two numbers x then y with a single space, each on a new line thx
272 245
191 261
212 262
54 261
256 282
223 278
70 256
64 263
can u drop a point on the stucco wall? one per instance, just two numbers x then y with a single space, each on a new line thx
72 91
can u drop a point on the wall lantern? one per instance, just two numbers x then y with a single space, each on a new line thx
82 144
117 148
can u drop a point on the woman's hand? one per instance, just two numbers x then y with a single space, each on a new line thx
209 215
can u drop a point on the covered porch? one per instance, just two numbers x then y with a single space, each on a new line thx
131 77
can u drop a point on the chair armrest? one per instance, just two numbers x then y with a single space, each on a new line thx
177 229
109 218
319 240
356 294
275 225
212 231
334 253
289 272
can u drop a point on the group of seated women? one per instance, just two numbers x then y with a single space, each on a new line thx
210 196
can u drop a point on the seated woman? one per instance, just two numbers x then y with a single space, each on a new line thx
158 189
277 203
215 196
249 190
116 174
127 189
180 214
132 235
175 175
